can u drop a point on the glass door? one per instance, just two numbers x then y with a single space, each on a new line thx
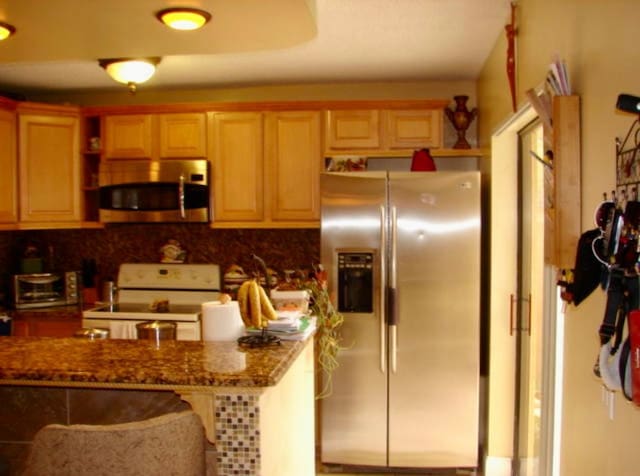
534 185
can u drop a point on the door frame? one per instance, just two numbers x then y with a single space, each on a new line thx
503 285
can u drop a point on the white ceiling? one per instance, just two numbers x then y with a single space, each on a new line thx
249 42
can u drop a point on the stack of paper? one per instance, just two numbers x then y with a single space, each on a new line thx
558 78
292 328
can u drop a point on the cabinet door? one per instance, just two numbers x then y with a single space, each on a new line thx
182 135
8 165
127 136
49 165
237 163
357 129
413 129
19 328
54 327
293 162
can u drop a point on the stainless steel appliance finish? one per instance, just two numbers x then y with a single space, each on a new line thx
157 292
45 289
403 255
154 191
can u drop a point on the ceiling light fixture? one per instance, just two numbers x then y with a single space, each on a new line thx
6 30
183 18
130 71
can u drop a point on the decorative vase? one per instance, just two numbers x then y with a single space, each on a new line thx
461 118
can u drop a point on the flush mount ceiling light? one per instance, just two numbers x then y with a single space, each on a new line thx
183 18
6 30
130 71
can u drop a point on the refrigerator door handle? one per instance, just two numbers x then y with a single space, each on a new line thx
393 347
393 292
383 287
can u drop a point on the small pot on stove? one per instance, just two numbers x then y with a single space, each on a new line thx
157 330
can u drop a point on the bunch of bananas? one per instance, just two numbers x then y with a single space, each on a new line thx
255 307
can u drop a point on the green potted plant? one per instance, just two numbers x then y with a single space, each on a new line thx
328 323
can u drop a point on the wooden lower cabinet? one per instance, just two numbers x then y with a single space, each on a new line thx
46 326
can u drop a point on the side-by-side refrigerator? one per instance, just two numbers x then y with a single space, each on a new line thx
402 251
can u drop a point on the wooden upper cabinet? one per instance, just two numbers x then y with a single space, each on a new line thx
128 136
49 165
155 136
413 129
293 164
352 129
9 167
236 154
183 135
382 131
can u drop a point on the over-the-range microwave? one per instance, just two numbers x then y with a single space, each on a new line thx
169 190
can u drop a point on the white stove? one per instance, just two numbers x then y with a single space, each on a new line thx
157 291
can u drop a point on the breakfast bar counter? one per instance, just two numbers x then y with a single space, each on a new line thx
141 364
256 404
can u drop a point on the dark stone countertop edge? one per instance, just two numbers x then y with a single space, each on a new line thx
276 362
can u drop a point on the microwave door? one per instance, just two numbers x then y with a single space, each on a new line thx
149 191
157 201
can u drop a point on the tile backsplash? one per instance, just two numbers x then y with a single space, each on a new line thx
141 243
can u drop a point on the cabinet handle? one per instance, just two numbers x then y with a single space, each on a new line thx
513 300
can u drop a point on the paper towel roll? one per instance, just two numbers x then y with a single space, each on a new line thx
221 322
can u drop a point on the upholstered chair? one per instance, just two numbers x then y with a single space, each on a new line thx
172 444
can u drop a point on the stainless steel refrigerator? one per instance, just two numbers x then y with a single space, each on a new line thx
402 251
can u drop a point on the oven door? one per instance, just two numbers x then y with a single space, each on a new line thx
126 328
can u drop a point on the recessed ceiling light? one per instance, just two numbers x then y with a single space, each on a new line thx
6 30
183 18
130 71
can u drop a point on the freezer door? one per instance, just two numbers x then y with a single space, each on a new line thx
434 374
354 416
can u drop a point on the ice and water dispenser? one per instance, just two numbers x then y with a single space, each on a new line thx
355 282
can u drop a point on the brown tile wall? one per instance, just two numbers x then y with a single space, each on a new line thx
115 244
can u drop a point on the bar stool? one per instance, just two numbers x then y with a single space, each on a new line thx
172 444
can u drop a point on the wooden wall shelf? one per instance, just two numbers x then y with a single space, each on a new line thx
567 179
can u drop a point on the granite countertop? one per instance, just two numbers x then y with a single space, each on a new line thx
116 363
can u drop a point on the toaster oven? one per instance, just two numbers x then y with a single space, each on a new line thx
45 289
